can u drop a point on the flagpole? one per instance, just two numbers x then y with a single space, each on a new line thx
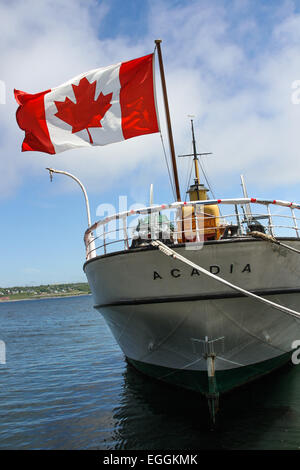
170 134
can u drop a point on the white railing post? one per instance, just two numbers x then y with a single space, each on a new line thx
104 238
295 222
125 233
199 218
90 246
179 224
238 219
270 221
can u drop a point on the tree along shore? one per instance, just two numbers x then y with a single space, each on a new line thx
43 291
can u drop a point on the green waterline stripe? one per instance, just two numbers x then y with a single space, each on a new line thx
226 380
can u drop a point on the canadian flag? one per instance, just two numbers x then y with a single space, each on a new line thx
102 106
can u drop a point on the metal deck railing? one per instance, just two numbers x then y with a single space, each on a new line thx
125 230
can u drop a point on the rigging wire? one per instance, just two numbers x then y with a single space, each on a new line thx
206 178
208 183
168 167
201 163
188 180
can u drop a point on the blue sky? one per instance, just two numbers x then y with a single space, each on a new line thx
230 63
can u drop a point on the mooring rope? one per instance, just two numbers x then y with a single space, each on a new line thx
271 239
169 252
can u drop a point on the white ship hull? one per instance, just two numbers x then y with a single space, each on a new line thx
167 316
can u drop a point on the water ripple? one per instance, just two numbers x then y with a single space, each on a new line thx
66 385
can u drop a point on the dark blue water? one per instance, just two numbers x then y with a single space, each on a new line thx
66 385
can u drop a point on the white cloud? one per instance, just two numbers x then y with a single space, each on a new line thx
241 100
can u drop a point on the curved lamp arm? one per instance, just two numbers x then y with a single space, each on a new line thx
52 170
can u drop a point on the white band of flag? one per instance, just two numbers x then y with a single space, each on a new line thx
102 106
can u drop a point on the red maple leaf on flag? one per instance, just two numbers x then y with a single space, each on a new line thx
86 112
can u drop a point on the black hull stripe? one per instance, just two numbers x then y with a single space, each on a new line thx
193 298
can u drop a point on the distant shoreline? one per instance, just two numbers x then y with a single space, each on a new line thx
44 298
43 291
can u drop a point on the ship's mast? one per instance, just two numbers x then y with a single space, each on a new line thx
196 163
197 187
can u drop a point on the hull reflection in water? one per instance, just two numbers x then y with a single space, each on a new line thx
155 415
